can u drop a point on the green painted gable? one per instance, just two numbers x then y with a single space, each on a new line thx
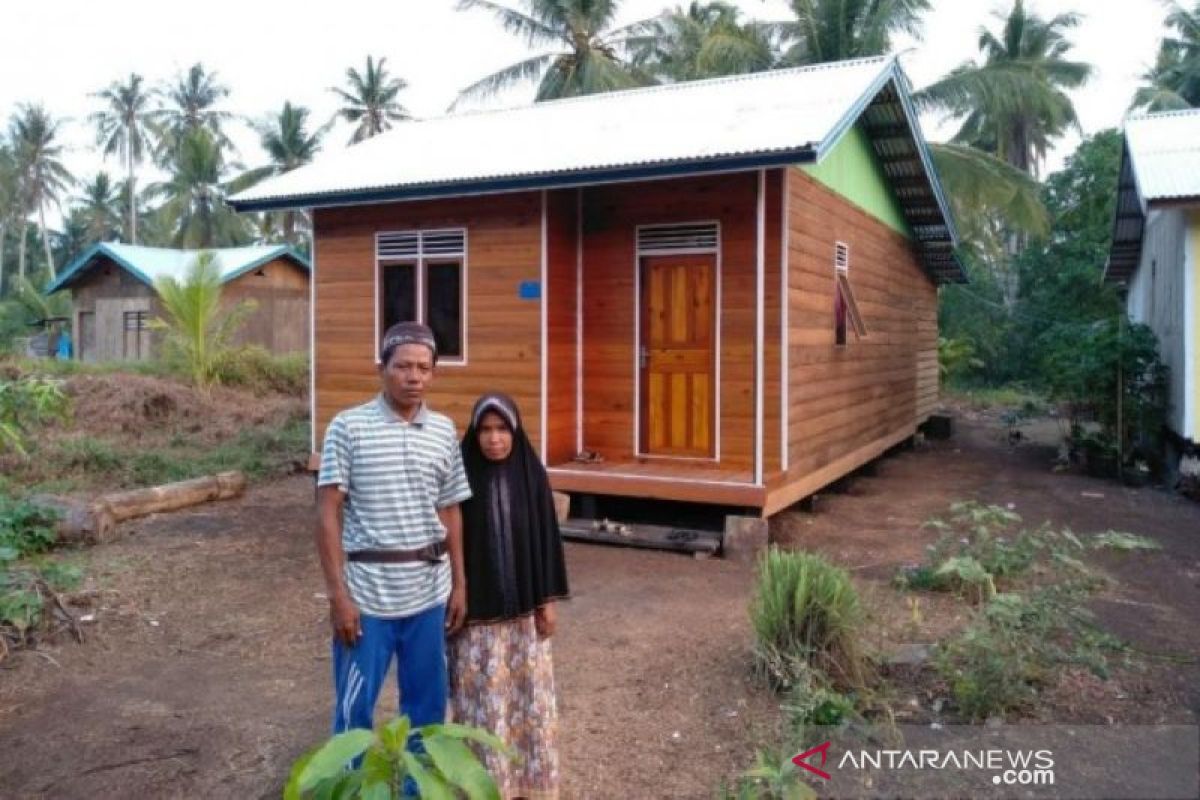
851 170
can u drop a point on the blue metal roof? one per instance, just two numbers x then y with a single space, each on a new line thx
148 264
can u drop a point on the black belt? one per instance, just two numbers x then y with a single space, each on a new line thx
430 553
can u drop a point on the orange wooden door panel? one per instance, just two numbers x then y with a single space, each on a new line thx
678 355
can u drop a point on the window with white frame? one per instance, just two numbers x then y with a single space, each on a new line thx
420 275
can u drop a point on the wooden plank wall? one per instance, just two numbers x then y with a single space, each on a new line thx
846 402
504 333
562 257
611 215
280 321
109 290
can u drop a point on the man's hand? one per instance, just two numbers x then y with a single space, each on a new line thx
456 608
343 616
545 619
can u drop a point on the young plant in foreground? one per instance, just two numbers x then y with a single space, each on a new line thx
445 767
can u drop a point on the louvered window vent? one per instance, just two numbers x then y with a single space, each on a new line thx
841 256
420 244
689 238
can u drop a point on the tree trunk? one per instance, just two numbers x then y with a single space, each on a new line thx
140 502
21 249
3 231
46 240
131 183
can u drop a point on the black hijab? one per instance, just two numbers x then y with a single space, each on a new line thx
512 547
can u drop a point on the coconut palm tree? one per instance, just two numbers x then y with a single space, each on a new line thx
193 196
123 128
370 104
100 209
34 136
199 332
1014 102
705 40
581 52
288 144
834 30
1174 81
9 200
191 103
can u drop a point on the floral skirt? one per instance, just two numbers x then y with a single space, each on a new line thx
502 680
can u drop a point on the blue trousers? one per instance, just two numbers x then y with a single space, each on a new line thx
418 643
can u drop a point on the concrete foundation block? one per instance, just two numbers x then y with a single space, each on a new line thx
745 538
562 506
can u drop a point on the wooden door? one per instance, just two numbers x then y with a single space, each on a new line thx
85 338
677 355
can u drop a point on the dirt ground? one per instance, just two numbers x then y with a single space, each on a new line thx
205 672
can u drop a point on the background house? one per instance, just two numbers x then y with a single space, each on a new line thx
112 286
1156 250
727 288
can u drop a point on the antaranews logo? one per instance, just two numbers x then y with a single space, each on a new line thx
1008 767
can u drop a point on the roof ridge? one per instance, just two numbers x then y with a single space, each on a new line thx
1178 112
659 88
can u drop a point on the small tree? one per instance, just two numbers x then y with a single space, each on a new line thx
198 332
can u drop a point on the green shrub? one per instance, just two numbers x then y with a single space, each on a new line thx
25 529
445 768
259 371
89 454
25 402
806 616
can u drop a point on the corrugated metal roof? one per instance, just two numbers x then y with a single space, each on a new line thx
780 111
1164 150
1160 163
148 264
738 122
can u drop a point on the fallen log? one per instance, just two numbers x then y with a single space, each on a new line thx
170 496
95 522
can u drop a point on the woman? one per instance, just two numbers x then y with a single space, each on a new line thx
501 676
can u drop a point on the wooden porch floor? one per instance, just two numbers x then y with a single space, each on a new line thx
695 482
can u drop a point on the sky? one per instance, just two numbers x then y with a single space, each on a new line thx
58 52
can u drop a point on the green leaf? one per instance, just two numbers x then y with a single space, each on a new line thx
376 791
292 790
394 735
456 731
333 756
461 768
429 784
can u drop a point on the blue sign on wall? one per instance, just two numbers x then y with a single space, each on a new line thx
529 290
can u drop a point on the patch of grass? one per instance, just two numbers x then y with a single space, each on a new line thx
806 617
1123 542
88 454
1015 398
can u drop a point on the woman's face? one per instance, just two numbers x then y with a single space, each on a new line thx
495 439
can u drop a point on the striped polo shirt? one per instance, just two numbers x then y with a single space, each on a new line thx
396 475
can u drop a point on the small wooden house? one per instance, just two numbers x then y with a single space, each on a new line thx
1155 253
726 289
114 297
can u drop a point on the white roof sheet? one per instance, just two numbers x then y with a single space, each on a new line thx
1165 153
765 112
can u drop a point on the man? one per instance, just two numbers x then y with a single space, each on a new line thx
388 497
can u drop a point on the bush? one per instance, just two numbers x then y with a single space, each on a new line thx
806 616
257 370
25 402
